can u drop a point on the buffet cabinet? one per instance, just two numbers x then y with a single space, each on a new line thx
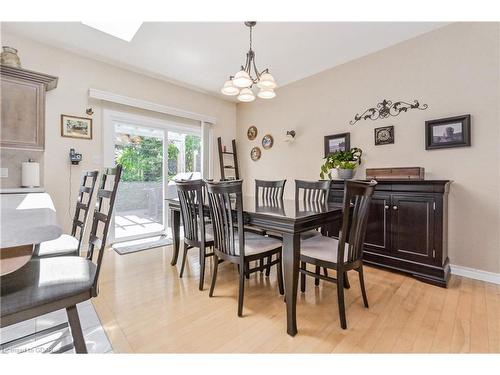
407 228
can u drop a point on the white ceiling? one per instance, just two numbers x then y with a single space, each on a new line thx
202 55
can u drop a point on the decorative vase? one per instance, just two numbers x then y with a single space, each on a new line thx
345 174
9 57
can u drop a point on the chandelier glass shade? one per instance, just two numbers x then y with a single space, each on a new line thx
242 83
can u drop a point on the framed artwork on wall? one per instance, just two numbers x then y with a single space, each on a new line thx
448 132
76 127
384 135
337 142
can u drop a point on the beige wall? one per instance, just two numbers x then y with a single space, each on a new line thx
76 75
455 70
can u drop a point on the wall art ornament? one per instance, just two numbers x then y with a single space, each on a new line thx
267 141
387 108
384 135
252 133
255 153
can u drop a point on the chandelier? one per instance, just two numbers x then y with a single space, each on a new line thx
242 82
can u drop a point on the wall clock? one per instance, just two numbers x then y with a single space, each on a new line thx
252 133
255 154
384 135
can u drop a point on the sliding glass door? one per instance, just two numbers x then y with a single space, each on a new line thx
154 153
139 207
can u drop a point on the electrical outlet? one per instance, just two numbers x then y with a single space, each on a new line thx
4 172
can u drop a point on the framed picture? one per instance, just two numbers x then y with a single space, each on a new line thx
337 142
267 141
447 132
76 127
384 135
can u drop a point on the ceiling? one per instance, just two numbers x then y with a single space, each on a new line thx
202 55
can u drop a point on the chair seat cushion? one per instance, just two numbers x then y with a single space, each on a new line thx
322 248
45 280
63 245
257 244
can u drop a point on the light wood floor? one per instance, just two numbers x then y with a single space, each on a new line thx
145 307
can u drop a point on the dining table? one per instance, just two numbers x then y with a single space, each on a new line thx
25 220
286 217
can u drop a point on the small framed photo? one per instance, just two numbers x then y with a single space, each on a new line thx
447 132
76 127
384 135
337 142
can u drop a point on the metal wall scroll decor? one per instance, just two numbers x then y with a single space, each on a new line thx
387 108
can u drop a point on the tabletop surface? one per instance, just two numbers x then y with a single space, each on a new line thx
283 208
27 219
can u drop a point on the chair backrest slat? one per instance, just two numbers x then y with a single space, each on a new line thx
312 191
85 193
357 197
191 199
99 233
268 191
225 199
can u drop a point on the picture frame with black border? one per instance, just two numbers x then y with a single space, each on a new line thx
337 142
448 132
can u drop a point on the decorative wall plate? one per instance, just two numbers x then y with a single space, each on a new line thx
267 141
252 133
255 154
384 135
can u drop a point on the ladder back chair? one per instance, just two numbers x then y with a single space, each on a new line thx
197 233
45 285
70 244
344 254
269 193
231 242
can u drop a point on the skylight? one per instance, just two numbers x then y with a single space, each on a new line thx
124 30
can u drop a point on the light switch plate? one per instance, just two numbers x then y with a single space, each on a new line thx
4 172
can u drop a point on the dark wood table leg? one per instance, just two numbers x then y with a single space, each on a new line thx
291 258
175 223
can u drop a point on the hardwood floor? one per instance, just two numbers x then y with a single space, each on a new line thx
145 307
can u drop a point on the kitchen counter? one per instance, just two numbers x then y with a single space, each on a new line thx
22 190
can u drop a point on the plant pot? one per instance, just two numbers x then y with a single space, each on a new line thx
345 174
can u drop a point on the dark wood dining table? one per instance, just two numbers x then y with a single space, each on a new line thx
287 217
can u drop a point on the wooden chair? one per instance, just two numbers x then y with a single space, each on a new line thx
196 232
48 284
236 245
269 190
344 254
269 193
70 244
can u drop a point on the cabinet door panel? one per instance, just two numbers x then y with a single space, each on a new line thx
22 114
413 227
377 236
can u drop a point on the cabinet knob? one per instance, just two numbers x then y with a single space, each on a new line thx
386 207
394 208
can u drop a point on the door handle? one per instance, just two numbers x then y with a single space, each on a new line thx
394 208
386 207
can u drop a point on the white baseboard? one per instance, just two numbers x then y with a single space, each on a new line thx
472 273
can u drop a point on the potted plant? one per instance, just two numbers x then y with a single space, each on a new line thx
345 162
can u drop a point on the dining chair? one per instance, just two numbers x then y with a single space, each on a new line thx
45 285
70 244
269 193
197 233
344 254
232 243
